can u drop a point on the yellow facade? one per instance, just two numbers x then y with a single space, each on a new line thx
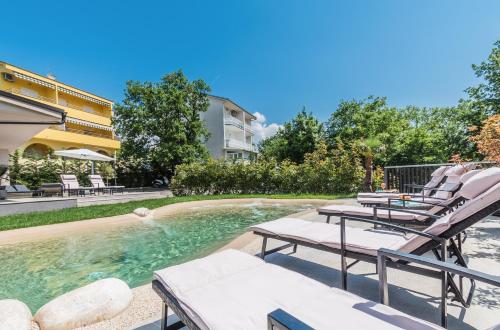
88 116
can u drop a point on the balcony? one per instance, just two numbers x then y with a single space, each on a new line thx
78 138
236 144
18 91
84 132
249 130
230 120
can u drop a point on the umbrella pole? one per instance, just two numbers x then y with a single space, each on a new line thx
92 169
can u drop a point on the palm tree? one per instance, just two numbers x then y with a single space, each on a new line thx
368 147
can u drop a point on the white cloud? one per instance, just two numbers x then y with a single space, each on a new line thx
262 129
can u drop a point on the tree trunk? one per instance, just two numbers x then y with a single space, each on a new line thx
368 174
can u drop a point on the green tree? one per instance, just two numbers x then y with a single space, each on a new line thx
160 124
485 97
295 139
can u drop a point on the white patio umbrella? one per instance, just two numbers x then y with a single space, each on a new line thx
84 154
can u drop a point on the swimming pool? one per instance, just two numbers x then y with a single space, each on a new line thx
36 272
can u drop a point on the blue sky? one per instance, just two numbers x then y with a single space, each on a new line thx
271 56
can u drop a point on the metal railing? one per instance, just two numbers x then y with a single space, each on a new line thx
399 177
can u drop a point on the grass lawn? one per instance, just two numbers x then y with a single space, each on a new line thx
99 211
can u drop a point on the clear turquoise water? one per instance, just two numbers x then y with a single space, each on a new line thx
36 272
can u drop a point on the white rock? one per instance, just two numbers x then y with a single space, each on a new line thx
142 211
98 301
14 315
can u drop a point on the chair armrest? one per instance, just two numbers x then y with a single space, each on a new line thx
281 320
439 265
393 226
445 268
421 202
414 185
427 214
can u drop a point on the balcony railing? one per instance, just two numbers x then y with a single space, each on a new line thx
236 144
230 120
249 130
15 90
77 107
84 132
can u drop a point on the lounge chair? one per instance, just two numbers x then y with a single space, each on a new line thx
442 192
483 198
234 290
20 191
279 319
404 216
71 185
436 178
98 183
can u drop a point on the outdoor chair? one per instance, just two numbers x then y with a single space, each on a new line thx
442 192
51 189
403 215
98 183
20 191
483 198
71 185
279 319
436 178
234 290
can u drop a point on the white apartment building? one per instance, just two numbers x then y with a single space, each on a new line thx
230 127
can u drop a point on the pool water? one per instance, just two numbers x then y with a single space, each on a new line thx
36 272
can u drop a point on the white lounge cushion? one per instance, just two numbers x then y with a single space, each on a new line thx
480 182
96 181
365 211
461 213
70 181
186 277
457 170
439 171
357 239
444 192
242 299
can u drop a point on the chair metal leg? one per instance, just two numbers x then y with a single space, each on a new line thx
343 260
263 250
164 317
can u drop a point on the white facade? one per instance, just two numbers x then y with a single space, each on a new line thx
230 127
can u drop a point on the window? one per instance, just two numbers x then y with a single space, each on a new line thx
234 155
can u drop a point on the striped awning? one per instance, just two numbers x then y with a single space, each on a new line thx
34 80
88 123
82 96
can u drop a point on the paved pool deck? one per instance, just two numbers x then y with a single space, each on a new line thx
412 294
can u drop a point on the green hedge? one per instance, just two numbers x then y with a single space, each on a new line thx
33 172
323 172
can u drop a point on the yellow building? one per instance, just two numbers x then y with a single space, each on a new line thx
88 116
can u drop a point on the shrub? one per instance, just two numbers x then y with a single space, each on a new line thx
33 172
322 172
